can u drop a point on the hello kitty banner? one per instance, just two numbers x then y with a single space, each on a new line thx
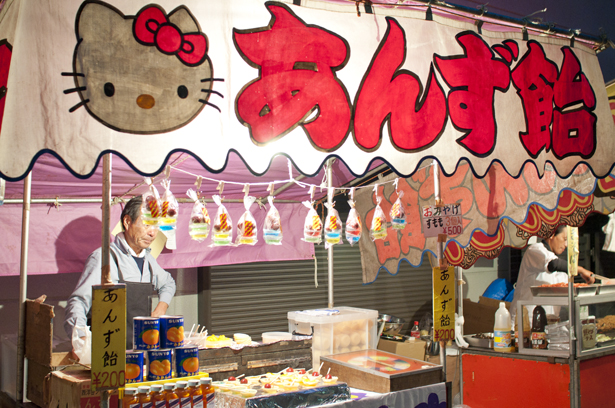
145 79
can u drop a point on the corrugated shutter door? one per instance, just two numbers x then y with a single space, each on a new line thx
255 298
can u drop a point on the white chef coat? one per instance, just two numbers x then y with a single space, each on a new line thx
534 272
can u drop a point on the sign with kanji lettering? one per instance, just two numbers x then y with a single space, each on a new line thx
572 237
108 336
446 220
266 78
444 303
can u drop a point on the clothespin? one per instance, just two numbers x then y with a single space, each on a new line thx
352 193
312 193
220 187
57 204
271 188
396 183
167 171
246 189
198 182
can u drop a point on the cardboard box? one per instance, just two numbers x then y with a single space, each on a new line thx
452 371
71 388
480 317
413 349
39 344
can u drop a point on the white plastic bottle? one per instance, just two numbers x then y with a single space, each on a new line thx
414 332
502 330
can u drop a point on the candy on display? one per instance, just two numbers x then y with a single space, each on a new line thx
333 226
169 208
398 214
272 230
199 218
312 228
353 225
151 208
222 229
246 227
378 229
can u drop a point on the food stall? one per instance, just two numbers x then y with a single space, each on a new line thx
266 79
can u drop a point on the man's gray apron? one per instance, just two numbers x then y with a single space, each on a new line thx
138 299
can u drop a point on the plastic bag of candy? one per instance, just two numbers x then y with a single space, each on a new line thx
246 227
272 230
222 229
150 207
333 226
378 229
398 214
353 224
199 218
170 208
312 227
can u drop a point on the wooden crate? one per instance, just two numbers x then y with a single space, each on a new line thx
254 360
379 371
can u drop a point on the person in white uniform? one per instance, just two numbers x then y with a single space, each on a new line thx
541 266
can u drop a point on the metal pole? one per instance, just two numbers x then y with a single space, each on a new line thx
23 288
459 273
330 250
105 278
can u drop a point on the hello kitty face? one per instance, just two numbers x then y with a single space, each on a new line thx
143 74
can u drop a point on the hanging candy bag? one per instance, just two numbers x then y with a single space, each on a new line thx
246 227
222 229
272 230
150 208
378 229
312 227
333 226
199 218
353 222
398 214
169 208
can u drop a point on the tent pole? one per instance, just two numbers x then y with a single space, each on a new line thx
105 277
330 250
23 288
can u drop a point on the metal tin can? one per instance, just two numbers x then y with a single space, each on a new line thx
146 333
171 331
186 361
159 364
134 367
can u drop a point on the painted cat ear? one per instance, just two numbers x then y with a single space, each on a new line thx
93 20
183 19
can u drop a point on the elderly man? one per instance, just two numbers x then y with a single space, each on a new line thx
131 263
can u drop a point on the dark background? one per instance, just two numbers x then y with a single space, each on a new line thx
590 16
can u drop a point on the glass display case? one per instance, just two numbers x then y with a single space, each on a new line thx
594 320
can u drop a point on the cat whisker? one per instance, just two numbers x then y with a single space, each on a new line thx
213 92
71 90
72 74
77 106
210 104
212 79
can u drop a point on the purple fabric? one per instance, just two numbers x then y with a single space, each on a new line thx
60 241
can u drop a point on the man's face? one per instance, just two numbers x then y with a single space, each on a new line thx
139 235
559 243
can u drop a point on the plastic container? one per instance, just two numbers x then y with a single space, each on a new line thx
182 393
130 399
415 332
170 396
196 394
156 396
208 392
143 395
272 337
351 329
502 330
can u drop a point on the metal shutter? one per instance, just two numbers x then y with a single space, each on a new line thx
255 298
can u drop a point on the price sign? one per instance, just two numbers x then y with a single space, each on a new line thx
444 303
446 220
108 336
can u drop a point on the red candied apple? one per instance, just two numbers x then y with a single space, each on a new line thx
301 371
328 376
243 381
231 378
268 385
315 374
289 370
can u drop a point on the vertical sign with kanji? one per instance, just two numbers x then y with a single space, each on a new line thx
444 303
108 336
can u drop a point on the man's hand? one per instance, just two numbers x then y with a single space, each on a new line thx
587 276
160 310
